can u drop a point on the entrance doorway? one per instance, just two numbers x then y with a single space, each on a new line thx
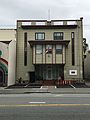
32 77
49 72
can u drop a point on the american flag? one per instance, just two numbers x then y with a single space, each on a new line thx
48 50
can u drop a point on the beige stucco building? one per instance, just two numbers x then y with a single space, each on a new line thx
7 56
47 50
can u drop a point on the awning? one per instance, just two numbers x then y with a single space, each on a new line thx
49 42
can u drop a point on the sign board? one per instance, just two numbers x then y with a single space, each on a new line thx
72 72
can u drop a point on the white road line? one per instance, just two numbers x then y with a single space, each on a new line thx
37 102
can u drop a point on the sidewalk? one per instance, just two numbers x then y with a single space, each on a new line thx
46 89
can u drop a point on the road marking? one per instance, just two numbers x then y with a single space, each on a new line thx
45 105
37 102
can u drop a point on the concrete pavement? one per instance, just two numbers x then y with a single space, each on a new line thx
45 89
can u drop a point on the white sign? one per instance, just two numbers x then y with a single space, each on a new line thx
72 72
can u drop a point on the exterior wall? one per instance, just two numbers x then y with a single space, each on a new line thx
12 63
4 62
7 38
7 34
22 71
4 48
78 54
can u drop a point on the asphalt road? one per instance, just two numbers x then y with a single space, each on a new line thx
45 106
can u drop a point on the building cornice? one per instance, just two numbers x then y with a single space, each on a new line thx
47 42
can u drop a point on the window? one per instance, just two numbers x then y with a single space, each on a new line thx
40 36
25 48
38 49
73 47
58 49
48 49
58 35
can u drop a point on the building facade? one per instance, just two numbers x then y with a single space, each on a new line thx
49 50
7 56
87 66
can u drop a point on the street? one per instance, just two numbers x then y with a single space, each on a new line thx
44 106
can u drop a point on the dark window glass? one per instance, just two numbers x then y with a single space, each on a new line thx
73 48
40 36
58 35
25 49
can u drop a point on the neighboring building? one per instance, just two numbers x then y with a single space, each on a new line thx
87 66
47 50
85 48
7 56
85 57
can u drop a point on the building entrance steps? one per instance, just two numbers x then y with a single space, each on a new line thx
48 87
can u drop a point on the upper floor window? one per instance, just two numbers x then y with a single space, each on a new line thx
25 48
58 35
40 36
73 47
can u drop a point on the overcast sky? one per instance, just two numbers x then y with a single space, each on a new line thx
11 10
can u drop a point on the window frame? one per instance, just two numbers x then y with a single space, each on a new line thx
61 37
59 51
40 50
36 35
73 47
25 48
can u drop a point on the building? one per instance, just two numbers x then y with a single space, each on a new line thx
87 66
49 50
85 59
7 56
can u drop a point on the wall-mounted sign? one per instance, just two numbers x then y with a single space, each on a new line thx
72 72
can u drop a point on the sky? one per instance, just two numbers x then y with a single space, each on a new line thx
12 10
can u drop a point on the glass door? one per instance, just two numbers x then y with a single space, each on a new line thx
49 72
